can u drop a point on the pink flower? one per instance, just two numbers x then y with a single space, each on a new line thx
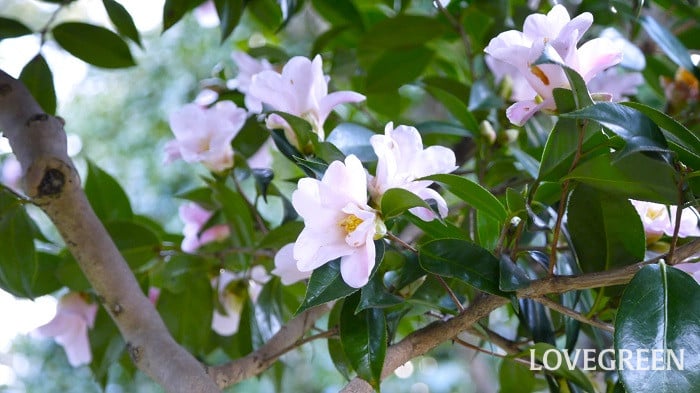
12 173
691 268
556 29
248 67
231 289
618 85
206 14
70 327
519 86
286 267
205 135
338 222
402 160
194 217
301 90
659 219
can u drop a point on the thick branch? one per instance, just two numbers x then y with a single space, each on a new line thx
260 360
51 181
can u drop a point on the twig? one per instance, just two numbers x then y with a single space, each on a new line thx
402 243
573 314
450 292
462 34
677 223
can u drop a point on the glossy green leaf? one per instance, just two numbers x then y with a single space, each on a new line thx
37 76
137 243
605 229
658 316
238 217
107 198
395 68
203 196
46 281
229 12
436 230
93 44
174 10
191 328
463 260
540 350
10 28
635 128
268 12
535 317
339 12
326 283
352 138
364 338
122 20
668 42
512 276
283 234
515 377
474 194
302 129
335 347
18 260
395 201
402 31
376 295
452 94
250 138
636 176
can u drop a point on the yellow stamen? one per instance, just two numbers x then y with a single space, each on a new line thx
350 223
537 71
653 214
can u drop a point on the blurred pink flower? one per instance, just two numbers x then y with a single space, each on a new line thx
659 219
70 327
248 67
206 14
194 217
205 134
231 297
286 266
301 90
402 160
338 223
619 85
558 30
12 173
691 268
519 86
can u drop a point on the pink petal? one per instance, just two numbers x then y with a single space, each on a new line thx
327 103
596 55
522 111
286 266
357 267
313 249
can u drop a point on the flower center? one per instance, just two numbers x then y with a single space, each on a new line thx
350 223
653 214
537 71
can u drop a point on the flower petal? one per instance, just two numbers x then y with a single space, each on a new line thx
357 267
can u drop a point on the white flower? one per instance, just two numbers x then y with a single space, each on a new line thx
558 30
402 160
70 327
206 14
691 268
205 134
230 286
248 67
659 219
12 173
301 90
338 222
194 217
618 85
286 266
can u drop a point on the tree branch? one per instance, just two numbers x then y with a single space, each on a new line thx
52 183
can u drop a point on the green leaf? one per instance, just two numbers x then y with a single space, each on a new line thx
46 281
93 44
10 28
268 12
229 12
452 94
673 48
335 347
174 10
302 129
605 230
238 216
472 193
515 377
352 138
107 198
635 128
376 295
364 339
512 276
436 229
402 31
659 311
636 176
122 20
137 243
326 283
251 137
339 12
575 375
463 260
284 234
18 260
37 76
395 68
395 201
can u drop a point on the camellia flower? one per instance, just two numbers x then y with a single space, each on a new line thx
556 29
660 219
205 134
248 67
194 217
402 160
286 268
70 327
338 223
618 85
301 90
231 297
206 14
691 268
